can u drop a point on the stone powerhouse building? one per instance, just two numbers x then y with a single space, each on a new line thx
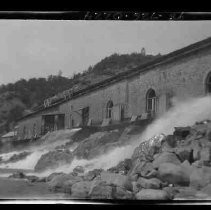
140 93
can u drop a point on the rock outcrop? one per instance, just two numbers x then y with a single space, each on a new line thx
54 159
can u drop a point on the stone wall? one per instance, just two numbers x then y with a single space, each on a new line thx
96 101
181 79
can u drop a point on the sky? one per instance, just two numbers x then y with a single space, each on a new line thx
39 48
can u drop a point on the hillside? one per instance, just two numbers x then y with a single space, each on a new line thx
28 94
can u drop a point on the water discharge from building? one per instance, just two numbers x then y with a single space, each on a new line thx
183 113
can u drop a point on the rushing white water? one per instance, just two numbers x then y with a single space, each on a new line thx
50 141
184 113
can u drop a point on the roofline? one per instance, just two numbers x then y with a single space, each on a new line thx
170 57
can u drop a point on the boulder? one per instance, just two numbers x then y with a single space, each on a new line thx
101 191
173 174
182 132
54 159
147 149
67 184
121 193
92 174
153 183
170 141
184 153
18 175
32 178
57 183
166 157
187 167
143 168
200 177
122 168
51 176
185 193
152 194
114 179
172 191
80 189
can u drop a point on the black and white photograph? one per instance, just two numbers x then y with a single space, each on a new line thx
105 110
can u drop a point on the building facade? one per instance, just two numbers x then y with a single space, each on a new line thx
145 91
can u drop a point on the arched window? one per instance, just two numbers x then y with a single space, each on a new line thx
208 84
151 101
109 109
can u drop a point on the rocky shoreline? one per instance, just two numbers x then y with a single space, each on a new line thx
173 167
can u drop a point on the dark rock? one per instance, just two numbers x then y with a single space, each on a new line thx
122 168
182 132
152 194
171 141
18 175
32 178
53 159
173 174
92 174
42 179
166 157
184 153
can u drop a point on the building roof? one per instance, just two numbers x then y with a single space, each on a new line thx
170 57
